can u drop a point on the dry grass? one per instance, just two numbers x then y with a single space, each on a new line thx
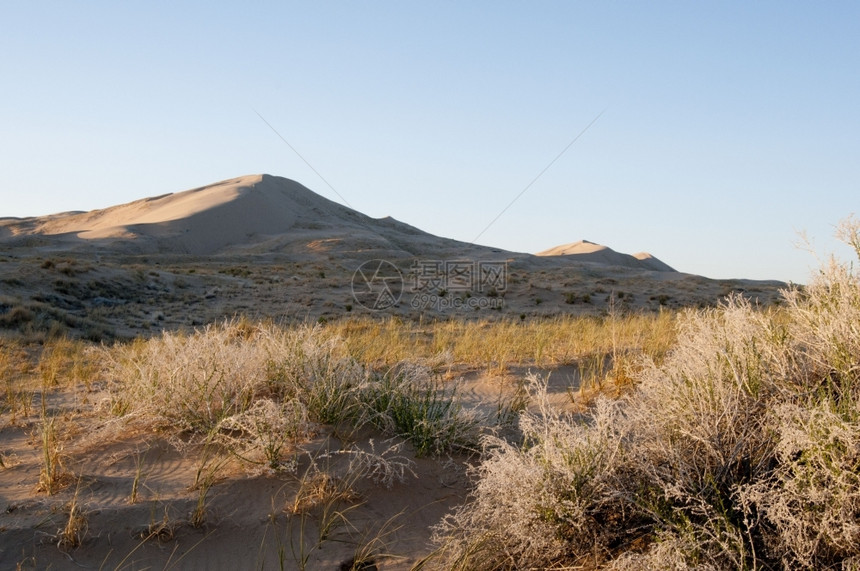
262 389
52 474
536 499
326 496
500 344
74 531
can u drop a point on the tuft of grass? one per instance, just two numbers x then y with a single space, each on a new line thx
209 466
52 363
326 496
51 472
17 399
260 434
163 529
139 478
408 401
74 531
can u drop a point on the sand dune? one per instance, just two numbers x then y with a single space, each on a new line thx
203 220
586 251
250 215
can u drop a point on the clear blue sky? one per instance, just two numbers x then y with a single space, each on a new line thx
728 127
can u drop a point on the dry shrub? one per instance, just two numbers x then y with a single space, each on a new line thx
811 500
535 500
260 434
699 430
194 382
669 552
189 382
741 450
385 467
262 387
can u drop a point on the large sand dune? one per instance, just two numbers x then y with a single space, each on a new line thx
250 214
260 212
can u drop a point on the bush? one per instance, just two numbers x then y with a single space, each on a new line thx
742 450
263 387
190 382
194 381
537 503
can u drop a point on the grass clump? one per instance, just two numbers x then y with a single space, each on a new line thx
261 390
73 533
190 382
408 401
52 474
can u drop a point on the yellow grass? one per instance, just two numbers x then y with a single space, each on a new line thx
496 345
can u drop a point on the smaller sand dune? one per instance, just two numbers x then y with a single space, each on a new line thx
586 251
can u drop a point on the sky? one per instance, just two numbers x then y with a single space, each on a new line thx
710 134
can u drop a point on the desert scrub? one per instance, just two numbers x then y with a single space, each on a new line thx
740 450
264 387
195 381
811 500
190 382
546 501
698 430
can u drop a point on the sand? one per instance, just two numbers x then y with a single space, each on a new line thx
247 518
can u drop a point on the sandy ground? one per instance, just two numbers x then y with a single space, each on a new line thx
249 521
